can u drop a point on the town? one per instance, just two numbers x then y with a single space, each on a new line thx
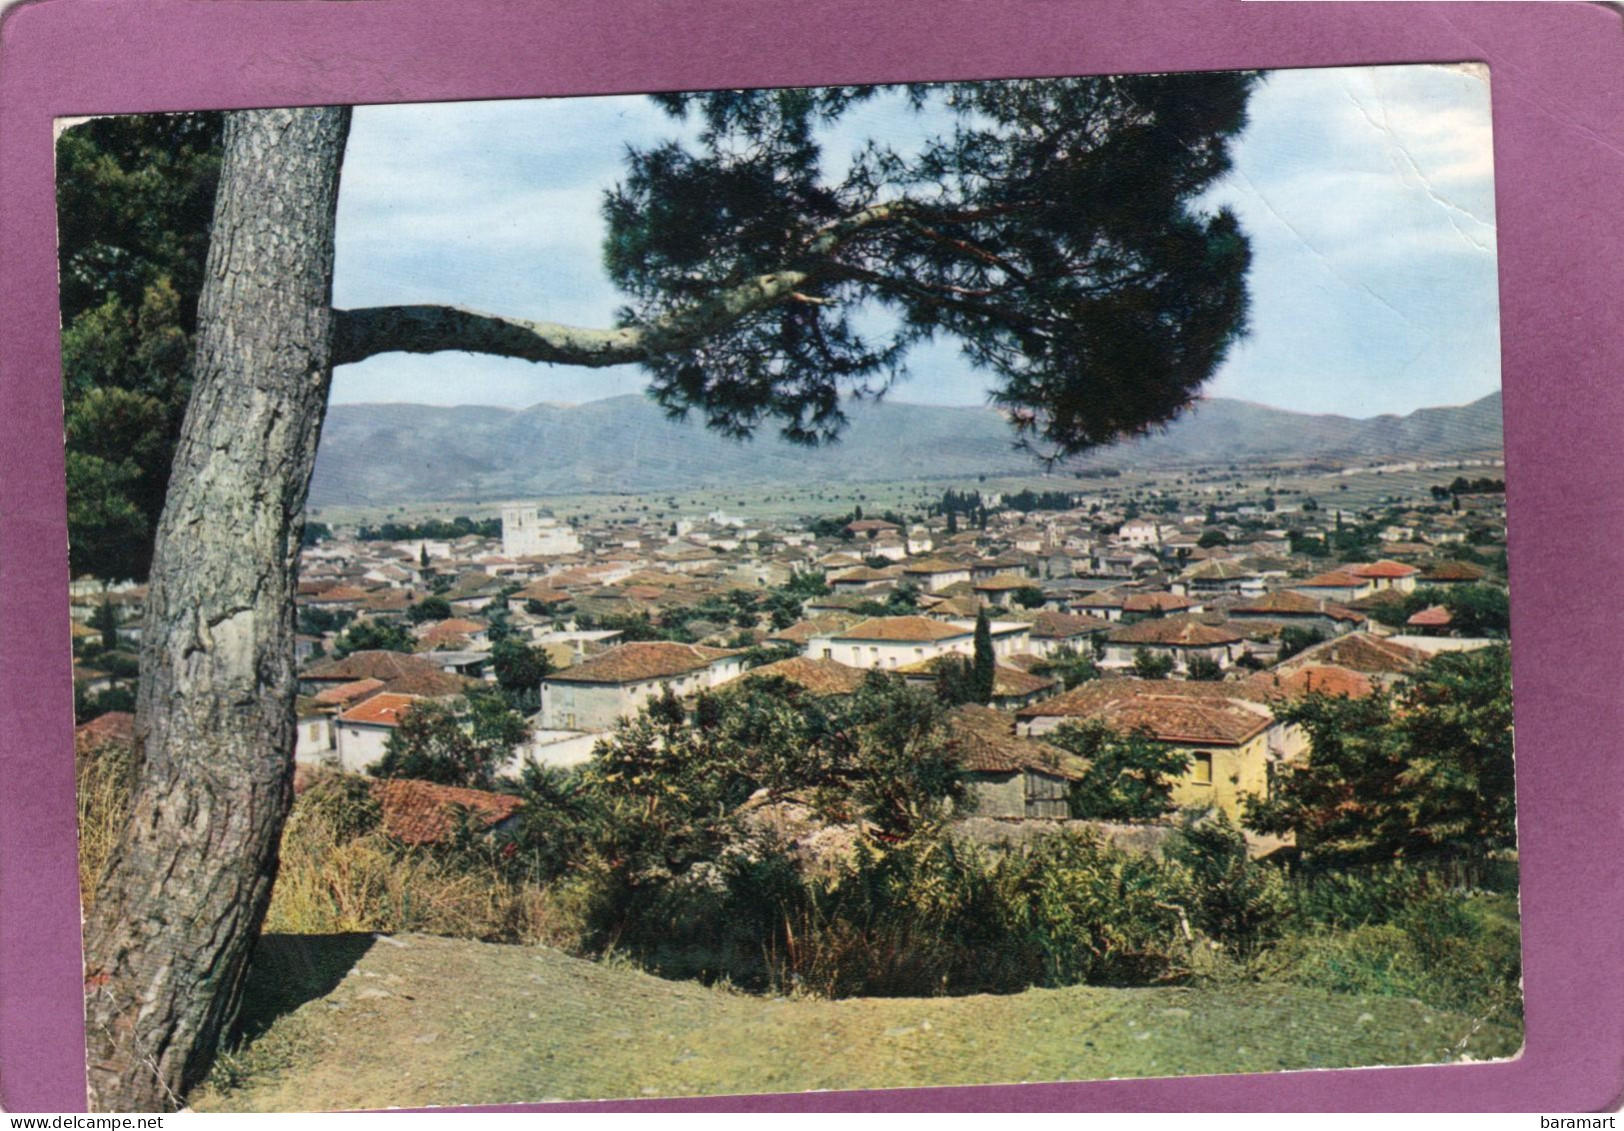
1160 613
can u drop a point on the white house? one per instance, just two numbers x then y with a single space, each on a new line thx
363 731
595 693
526 531
894 642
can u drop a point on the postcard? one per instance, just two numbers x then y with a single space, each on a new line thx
686 586
904 616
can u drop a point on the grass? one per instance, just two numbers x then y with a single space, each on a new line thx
414 1020
103 771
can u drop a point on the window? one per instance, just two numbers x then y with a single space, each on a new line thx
1201 768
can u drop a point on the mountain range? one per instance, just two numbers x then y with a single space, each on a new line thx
374 454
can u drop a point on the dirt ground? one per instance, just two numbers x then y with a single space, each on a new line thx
358 1021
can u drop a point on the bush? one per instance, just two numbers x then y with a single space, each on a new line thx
1450 950
1232 900
334 879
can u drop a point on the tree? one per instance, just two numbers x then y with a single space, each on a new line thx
955 682
1129 776
105 621
519 669
1069 666
984 665
373 636
215 720
433 607
134 197
1204 669
1211 538
1479 610
1067 257
889 746
463 743
1294 639
1029 597
1151 665
1425 771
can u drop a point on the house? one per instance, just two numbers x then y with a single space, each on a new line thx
1216 576
1180 638
1010 776
315 743
597 692
1157 604
1285 607
1451 574
1227 731
453 632
362 732
396 671
1382 661
1339 585
420 812
1011 686
892 642
1432 621
1053 632
933 574
1387 574
1139 532
861 579
1000 589
817 677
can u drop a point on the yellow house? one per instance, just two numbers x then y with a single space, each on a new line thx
1227 730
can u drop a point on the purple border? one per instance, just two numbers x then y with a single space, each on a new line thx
1558 92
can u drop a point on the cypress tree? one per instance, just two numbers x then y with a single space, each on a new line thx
984 665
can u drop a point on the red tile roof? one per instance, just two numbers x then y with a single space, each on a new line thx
1182 631
347 692
382 710
817 676
985 741
1224 714
642 661
1453 571
903 630
1384 569
1337 579
1050 625
1361 652
1150 602
372 664
1321 679
1435 617
114 726
420 812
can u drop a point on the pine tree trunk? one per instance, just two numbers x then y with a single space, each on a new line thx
169 937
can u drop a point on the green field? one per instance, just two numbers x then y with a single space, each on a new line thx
1355 487
350 1021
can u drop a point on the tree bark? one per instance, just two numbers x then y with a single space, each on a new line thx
168 940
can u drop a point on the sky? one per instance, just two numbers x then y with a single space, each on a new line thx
1367 194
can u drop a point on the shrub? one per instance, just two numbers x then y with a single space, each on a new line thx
1232 900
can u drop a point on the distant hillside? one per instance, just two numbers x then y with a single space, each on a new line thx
397 453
